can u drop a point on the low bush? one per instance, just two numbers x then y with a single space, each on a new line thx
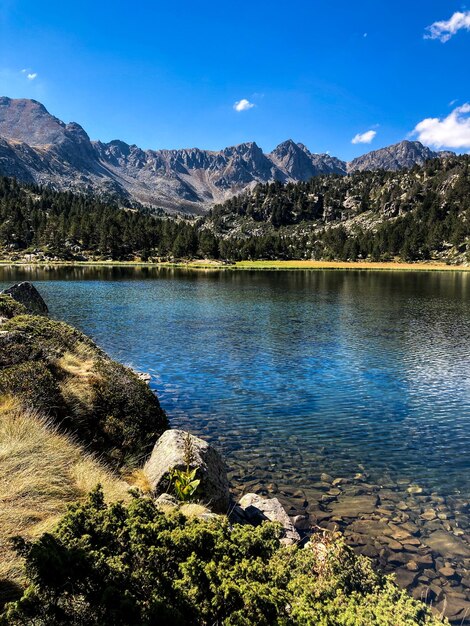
34 384
10 307
106 565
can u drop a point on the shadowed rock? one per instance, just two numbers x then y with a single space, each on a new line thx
258 509
26 294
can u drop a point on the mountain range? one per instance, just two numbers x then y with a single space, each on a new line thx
39 148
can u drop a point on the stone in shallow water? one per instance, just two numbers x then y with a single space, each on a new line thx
428 515
456 609
415 489
447 545
447 572
371 528
405 578
354 507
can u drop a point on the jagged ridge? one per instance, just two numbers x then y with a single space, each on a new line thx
37 147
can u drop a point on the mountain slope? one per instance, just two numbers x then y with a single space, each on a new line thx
403 155
37 147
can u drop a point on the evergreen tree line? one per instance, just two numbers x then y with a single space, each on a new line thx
411 214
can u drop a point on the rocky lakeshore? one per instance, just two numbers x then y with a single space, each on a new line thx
420 536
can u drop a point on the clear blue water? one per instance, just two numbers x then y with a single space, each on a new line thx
293 373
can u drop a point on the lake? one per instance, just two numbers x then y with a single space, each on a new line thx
301 377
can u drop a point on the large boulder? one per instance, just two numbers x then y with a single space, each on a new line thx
26 294
170 452
257 509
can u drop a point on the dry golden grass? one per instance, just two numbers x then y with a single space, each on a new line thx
79 373
139 480
41 472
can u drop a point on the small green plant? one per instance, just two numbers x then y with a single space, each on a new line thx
184 482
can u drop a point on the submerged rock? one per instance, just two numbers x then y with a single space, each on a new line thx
169 453
26 294
447 545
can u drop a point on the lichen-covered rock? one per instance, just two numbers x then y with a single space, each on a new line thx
169 453
26 294
258 509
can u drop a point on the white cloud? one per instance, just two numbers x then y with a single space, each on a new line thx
446 29
32 76
452 131
366 137
243 105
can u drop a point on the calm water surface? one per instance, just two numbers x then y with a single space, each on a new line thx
316 371
364 376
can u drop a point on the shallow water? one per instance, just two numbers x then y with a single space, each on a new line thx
294 373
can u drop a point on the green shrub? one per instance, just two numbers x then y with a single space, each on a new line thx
110 565
10 307
55 338
125 417
33 384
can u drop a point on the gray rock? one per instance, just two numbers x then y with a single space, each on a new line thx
166 500
169 453
354 506
26 294
258 509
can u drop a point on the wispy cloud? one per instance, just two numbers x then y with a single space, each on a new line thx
29 74
243 105
446 29
366 137
452 131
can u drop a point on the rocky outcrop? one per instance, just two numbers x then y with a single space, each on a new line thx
37 147
26 294
170 452
400 156
255 509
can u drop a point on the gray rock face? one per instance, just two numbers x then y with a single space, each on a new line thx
169 453
298 163
27 294
403 155
37 147
258 509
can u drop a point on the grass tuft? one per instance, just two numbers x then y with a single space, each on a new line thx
41 472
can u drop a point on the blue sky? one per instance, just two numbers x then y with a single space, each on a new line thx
168 74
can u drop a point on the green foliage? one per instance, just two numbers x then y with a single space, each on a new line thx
10 307
410 214
53 337
125 411
33 383
109 565
184 483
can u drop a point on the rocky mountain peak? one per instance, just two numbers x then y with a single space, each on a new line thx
402 155
37 147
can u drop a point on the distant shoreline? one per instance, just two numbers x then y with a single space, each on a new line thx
431 266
